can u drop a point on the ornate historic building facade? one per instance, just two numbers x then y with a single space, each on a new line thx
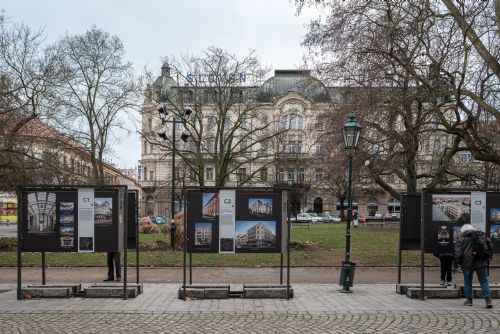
294 102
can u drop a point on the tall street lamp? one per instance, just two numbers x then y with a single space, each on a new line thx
163 112
350 132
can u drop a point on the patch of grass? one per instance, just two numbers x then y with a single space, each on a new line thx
322 245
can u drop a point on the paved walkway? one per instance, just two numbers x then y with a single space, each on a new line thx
316 308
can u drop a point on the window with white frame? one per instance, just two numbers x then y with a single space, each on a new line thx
209 174
280 175
291 175
263 174
210 122
466 157
319 147
242 174
318 174
211 145
243 145
301 175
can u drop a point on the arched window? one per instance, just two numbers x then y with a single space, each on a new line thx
299 122
318 205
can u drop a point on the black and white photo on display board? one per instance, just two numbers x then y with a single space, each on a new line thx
86 243
210 205
41 213
103 211
260 207
255 234
67 213
67 242
451 208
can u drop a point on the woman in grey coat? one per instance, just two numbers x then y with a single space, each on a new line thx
469 264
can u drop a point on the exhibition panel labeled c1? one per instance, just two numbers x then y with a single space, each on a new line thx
236 221
63 219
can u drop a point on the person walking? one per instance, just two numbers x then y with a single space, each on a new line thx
114 263
469 264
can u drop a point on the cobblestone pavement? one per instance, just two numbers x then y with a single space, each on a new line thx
317 308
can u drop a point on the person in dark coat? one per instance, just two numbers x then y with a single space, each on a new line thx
446 258
114 263
469 264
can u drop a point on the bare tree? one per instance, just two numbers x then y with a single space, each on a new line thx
226 127
28 81
415 71
98 86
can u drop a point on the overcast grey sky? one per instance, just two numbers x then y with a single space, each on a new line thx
151 29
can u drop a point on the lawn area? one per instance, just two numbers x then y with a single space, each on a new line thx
322 245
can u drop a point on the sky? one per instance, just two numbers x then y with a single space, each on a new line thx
152 29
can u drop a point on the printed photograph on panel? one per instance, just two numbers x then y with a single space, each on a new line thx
255 234
260 206
495 231
41 213
203 234
210 205
495 214
227 245
67 230
456 233
67 242
8 216
451 208
86 243
67 213
443 236
103 210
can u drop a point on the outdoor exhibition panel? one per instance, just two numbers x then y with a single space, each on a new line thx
435 216
76 219
446 210
236 220
61 219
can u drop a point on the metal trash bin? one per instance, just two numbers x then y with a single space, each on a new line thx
352 269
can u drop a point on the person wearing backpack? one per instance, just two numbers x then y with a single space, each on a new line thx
468 257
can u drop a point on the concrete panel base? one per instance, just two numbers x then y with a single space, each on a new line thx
205 292
443 293
108 292
403 288
139 287
46 292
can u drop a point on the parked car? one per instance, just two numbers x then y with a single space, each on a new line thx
308 216
316 218
328 218
158 220
392 216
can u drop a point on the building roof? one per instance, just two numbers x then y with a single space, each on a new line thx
297 81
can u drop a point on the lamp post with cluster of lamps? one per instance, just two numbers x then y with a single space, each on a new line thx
163 112
350 133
